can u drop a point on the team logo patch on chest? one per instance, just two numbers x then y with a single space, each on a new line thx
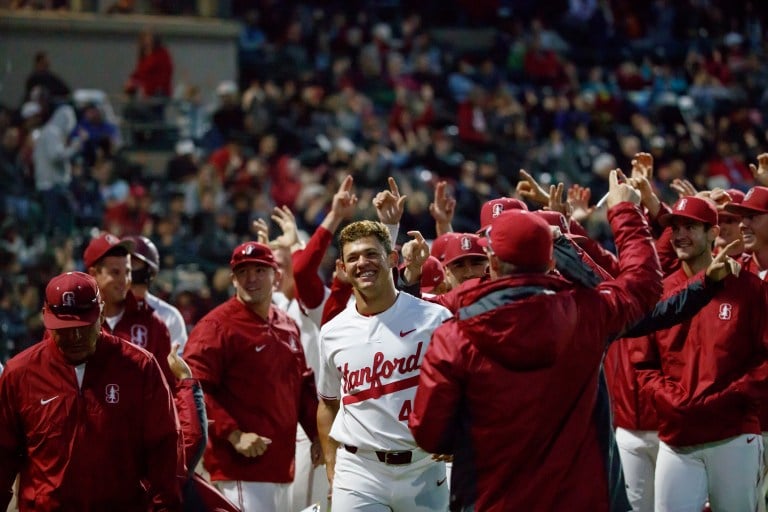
112 394
725 311
139 335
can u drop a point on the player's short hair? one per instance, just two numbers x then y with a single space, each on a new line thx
365 229
118 251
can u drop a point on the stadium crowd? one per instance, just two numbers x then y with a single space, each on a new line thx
338 117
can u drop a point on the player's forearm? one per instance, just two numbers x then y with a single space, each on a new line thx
326 414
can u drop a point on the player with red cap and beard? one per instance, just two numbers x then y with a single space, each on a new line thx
537 448
69 415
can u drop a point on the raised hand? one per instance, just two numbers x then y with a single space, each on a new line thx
556 203
415 253
578 198
262 231
642 166
620 192
344 201
683 187
529 188
390 204
722 265
442 208
760 173
284 218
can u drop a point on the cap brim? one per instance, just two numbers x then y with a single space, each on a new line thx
666 219
741 210
255 261
52 321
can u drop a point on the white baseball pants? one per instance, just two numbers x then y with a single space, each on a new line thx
726 471
638 450
363 483
256 496
310 485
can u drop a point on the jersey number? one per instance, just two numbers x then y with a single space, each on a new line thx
405 411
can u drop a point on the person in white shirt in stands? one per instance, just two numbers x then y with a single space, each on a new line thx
145 264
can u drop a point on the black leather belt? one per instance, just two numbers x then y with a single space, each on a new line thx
391 458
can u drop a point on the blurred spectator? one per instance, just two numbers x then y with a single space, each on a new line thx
154 68
102 133
42 77
53 170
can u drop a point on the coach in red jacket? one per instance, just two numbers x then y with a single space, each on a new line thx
86 419
509 386
248 356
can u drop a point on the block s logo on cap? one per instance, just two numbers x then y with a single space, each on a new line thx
248 250
498 208
725 311
112 239
68 299
681 205
466 243
750 192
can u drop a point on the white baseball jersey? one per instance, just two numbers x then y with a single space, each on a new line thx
308 321
371 364
171 317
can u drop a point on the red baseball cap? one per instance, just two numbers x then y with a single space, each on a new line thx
493 208
101 245
737 197
755 203
521 238
692 208
432 274
438 245
461 246
252 252
71 300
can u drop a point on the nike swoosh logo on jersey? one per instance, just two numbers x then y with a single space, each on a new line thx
750 439
403 334
260 348
49 400
441 482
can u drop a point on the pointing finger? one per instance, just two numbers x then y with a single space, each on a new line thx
613 179
417 236
393 187
346 185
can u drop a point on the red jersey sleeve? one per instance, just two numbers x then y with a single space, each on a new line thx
306 265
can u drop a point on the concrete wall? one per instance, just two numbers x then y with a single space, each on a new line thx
98 51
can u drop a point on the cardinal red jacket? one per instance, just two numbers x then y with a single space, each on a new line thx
706 375
88 448
509 386
143 328
255 379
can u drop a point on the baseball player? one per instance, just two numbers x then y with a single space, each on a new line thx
145 264
463 259
86 420
705 377
543 446
107 259
248 356
370 357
